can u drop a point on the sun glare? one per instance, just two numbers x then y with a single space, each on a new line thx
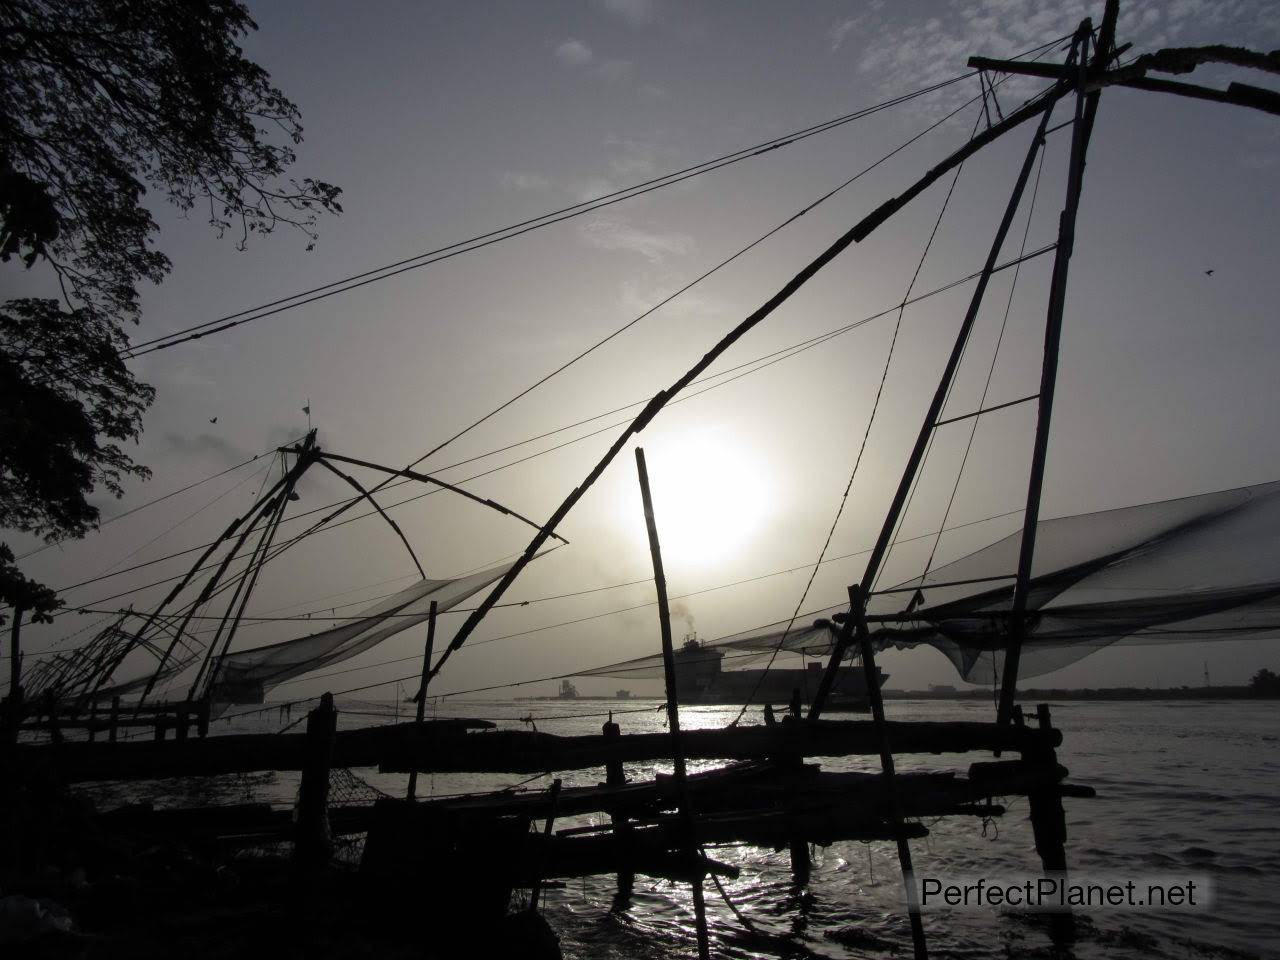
711 496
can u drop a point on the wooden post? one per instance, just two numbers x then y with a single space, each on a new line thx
114 722
93 720
312 846
883 542
801 864
857 610
1085 109
615 777
422 691
202 718
15 675
1049 826
536 891
180 731
51 712
673 709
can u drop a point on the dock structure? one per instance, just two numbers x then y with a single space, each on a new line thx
764 793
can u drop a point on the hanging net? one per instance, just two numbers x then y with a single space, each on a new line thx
1192 569
244 675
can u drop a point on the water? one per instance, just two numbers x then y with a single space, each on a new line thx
1183 788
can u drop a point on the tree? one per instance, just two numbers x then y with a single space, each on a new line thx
1265 683
99 101
63 389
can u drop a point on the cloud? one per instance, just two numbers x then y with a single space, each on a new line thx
630 159
841 30
615 234
929 49
652 92
205 444
574 53
514 180
591 188
635 12
635 298
613 69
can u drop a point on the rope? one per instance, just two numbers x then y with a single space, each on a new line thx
511 231
973 430
875 406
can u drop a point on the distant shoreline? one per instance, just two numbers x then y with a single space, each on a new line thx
1103 693
1028 694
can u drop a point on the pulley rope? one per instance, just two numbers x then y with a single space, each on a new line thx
875 407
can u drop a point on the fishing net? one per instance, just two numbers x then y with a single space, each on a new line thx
1193 569
243 675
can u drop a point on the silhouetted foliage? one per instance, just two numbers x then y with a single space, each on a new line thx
99 101
64 395
1265 683
35 600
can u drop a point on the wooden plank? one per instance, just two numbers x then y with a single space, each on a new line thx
445 748
240 753
689 841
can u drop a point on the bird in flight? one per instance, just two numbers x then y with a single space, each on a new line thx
1208 273
213 419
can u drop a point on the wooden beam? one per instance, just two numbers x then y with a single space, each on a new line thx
858 612
1086 108
887 209
673 706
421 696
1237 94
1047 71
444 747
929 424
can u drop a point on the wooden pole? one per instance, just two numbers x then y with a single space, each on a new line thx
1086 106
881 548
857 611
535 891
15 674
673 709
792 761
51 711
1049 827
113 729
15 655
244 588
422 689
128 647
615 776
312 846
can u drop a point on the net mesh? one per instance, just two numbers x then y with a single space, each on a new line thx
260 668
1192 569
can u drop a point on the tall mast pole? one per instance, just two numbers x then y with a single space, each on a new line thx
881 549
1086 108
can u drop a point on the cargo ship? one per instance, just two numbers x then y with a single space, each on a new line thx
701 679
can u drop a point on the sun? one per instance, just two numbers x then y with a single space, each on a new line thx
711 496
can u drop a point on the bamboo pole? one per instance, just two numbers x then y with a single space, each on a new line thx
249 580
15 674
535 891
615 776
312 843
1086 108
663 397
881 548
422 690
673 707
857 608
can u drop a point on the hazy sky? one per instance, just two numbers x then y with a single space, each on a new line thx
445 120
